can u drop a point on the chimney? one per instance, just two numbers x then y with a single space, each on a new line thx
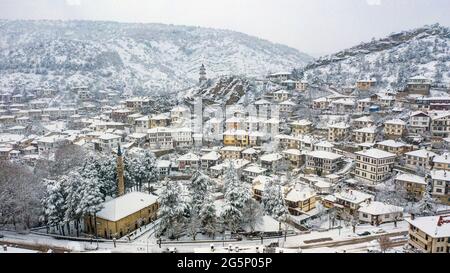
120 170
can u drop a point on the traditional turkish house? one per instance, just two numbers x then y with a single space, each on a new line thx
366 84
419 159
377 213
351 200
430 234
419 85
413 184
395 147
123 214
374 166
300 201
441 185
419 122
322 162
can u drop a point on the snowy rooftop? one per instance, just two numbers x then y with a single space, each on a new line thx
213 155
262 180
440 175
237 163
249 151
421 153
322 184
367 130
324 155
364 119
189 157
255 169
324 144
411 178
125 205
51 139
418 113
392 143
292 152
435 226
379 208
395 122
339 125
344 101
353 196
107 136
232 149
295 195
163 163
302 122
375 153
288 102
271 157
444 158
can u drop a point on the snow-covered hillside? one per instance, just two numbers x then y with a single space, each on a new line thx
423 51
228 90
130 57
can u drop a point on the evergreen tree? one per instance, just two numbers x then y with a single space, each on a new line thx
107 175
237 194
91 200
74 191
273 200
426 206
173 206
54 202
208 216
151 170
199 188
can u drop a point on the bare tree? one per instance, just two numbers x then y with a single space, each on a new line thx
20 195
385 243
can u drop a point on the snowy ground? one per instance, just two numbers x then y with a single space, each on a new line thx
15 250
344 239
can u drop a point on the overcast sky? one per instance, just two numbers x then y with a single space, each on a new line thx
312 26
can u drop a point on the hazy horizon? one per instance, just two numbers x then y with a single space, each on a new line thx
315 27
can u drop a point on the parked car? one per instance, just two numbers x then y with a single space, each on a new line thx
1 235
379 231
365 233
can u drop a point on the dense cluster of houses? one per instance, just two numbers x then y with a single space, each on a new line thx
368 139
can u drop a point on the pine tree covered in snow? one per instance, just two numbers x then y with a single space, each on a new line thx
91 198
273 199
208 215
74 190
70 198
54 203
140 169
104 170
107 176
237 194
173 207
199 189
426 206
